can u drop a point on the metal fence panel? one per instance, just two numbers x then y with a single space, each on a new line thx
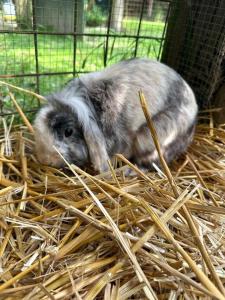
45 43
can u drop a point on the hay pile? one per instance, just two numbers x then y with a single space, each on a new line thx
76 236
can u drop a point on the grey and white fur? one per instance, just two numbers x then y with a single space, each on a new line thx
99 114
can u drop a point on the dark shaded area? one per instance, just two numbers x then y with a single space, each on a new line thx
195 45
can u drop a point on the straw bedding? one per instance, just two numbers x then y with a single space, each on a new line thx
68 235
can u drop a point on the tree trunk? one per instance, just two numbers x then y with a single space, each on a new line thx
91 4
117 15
23 13
149 7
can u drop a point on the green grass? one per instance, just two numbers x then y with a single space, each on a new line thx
147 28
55 54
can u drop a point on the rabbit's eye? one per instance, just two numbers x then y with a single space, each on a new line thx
68 132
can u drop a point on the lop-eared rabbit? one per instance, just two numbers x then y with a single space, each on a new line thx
99 114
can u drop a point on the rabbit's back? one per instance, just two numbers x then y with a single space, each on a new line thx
162 86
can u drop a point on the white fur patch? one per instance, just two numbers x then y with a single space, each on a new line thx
170 138
191 109
78 106
82 110
153 156
39 122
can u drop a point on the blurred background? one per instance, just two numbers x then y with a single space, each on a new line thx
43 44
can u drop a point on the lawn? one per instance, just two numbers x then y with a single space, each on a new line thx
55 53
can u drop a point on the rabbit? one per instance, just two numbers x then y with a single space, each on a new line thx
99 115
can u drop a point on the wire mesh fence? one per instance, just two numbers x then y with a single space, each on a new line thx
195 45
46 43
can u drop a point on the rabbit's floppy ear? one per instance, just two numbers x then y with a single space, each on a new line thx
96 146
94 138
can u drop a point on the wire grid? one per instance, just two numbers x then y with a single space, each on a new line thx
195 45
46 43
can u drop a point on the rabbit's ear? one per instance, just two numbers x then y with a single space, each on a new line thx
107 98
96 146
